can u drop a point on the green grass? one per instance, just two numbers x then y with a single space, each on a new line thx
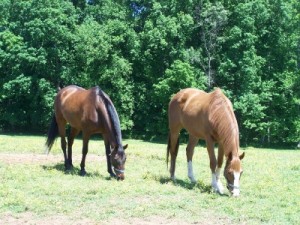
270 187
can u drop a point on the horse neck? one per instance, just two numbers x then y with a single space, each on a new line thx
231 146
115 141
228 138
224 123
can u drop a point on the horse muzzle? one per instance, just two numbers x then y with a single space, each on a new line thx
234 190
120 174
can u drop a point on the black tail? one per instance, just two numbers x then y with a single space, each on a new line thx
52 134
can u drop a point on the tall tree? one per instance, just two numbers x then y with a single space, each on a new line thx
34 52
211 19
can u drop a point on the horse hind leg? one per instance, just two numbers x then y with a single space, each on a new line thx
73 133
189 155
62 133
84 153
173 146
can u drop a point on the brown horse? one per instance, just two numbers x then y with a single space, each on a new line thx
90 111
207 116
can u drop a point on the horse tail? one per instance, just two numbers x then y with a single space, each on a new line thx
169 147
52 134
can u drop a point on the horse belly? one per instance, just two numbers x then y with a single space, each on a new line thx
73 118
195 123
196 130
92 123
72 111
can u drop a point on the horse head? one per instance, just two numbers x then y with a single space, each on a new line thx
118 159
233 172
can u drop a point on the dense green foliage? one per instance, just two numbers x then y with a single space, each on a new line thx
141 52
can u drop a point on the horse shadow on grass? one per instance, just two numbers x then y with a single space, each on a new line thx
75 171
186 184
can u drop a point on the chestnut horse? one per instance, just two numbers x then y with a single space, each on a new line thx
207 116
90 111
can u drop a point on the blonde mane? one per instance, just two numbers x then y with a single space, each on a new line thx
223 122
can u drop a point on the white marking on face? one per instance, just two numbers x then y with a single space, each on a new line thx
236 183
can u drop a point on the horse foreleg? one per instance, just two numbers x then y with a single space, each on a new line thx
108 152
73 133
84 153
218 170
189 155
213 164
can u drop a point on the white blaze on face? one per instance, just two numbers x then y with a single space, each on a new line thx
236 184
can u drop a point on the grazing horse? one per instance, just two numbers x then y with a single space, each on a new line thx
90 111
207 116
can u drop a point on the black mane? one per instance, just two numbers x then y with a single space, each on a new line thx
113 115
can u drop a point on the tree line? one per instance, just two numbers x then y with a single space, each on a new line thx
142 52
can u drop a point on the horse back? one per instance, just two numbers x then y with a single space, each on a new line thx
201 113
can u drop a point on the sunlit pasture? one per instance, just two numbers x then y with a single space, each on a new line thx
35 189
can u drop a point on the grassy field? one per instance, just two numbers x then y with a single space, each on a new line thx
34 189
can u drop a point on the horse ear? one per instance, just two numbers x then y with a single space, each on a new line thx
242 156
125 146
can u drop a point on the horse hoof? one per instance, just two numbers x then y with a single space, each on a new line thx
82 173
69 168
193 180
112 175
221 192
